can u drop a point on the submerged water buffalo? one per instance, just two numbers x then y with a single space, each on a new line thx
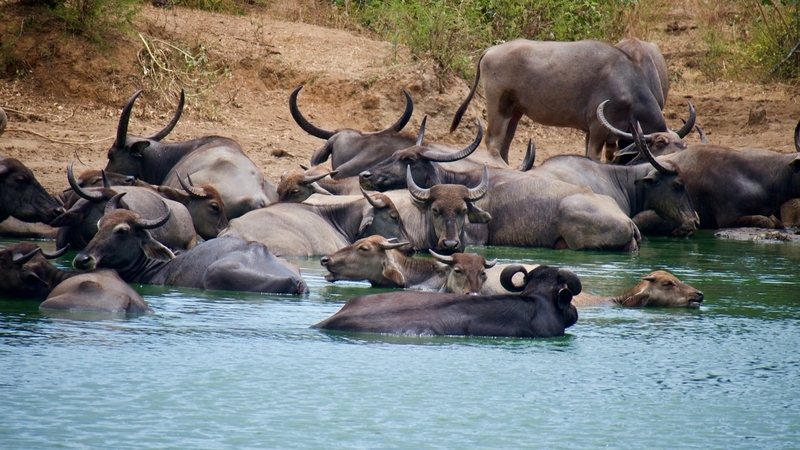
204 204
25 272
658 289
21 195
542 308
305 229
212 160
380 262
561 84
123 243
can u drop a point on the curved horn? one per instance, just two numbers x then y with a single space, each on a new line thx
122 128
148 224
530 157
704 139
797 137
302 122
571 280
113 204
189 188
602 118
416 191
56 254
403 120
22 259
92 196
167 129
442 258
377 203
507 275
421 133
461 154
490 264
308 179
103 176
388 245
645 151
687 127
480 190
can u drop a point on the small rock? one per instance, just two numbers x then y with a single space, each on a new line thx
758 115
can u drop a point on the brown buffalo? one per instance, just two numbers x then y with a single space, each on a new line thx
659 289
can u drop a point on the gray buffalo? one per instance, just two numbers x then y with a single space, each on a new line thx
561 84
123 243
542 308
99 291
212 160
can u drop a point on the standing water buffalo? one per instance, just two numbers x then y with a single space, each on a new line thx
542 308
561 84
212 160
123 243
648 58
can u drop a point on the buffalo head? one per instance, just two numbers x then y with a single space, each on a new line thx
371 258
464 273
447 207
21 195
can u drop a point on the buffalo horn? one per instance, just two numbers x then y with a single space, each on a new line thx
377 203
441 258
56 254
122 128
507 276
480 190
612 129
530 157
703 138
103 176
167 129
92 196
148 224
302 122
308 179
449 157
490 264
3 120
416 191
113 204
687 127
797 137
189 188
22 259
645 151
389 245
421 133
403 120
571 280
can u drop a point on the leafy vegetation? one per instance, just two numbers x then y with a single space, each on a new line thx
95 18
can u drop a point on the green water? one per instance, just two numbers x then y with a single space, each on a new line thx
234 370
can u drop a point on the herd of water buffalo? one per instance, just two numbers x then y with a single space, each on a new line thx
200 214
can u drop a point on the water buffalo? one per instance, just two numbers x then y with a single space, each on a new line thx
649 186
123 243
659 289
3 121
212 160
430 167
21 195
542 308
98 178
352 151
304 229
98 291
204 204
78 225
648 58
561 84
25 272
436 217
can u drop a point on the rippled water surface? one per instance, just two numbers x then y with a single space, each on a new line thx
236 370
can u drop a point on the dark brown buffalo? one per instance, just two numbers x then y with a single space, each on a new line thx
542 308
658 289
212 160
123 243
561 84
21 195
25 272
204 204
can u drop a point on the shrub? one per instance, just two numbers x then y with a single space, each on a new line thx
95 18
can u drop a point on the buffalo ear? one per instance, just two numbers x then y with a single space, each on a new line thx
795 164
391 273
156 250
172 194
33 280
564 297
365 222
477 215
138 147
650 178
441 268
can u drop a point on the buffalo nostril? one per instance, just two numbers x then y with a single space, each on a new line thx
700 295
450 244
365 175
324 260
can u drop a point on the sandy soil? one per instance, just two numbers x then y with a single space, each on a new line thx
71 94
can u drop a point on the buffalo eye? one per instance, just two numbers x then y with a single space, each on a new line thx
458 271
408 159
363 248
483 275
295 191
463 211
214 207
668 283
21 179
393 215
435 211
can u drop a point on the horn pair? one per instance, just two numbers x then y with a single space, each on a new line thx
423 194
124 118
435 156
141 222
685 129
